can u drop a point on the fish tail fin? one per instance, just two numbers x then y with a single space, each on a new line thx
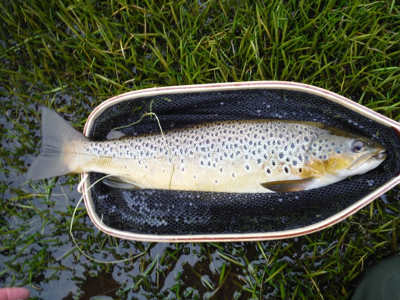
56 134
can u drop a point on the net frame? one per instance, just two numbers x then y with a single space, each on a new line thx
248 236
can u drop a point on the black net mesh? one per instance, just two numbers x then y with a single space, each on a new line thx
181 212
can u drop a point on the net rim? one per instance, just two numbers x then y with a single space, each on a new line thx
268 85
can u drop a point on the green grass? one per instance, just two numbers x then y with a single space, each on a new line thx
72 55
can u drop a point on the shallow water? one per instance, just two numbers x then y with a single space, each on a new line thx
44 251
36 250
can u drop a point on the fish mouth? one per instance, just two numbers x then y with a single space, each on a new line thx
379 155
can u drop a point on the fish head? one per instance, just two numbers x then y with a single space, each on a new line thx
353 155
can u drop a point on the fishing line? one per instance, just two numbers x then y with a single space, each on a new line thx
146 114
80 185
73 237
150 113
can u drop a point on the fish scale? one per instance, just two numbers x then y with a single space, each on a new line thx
224 152
245 156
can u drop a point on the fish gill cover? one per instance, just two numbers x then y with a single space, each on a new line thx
166 212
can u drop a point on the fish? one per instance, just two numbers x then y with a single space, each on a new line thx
235 156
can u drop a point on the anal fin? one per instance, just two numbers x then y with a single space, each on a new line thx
120 183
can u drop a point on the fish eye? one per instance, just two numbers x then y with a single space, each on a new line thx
357 146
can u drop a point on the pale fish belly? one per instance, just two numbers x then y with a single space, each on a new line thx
231 156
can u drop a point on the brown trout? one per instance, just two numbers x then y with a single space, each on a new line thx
247 156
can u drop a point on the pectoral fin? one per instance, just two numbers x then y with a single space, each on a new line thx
288 185
120 183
